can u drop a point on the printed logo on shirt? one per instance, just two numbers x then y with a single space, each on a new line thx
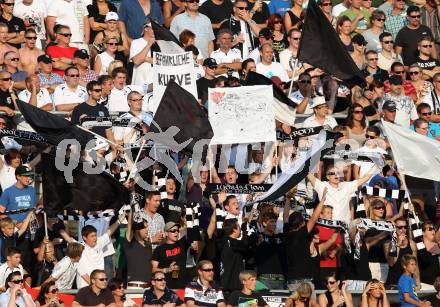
173 252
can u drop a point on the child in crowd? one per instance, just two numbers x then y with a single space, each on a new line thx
12 264
9 234
407 284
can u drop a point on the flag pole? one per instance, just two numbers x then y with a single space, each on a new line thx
137 158
294 70
97 135
45 224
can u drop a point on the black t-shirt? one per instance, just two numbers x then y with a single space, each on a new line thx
165 254
232 251
94 12
216 13
270 255
298 254
202 88
260 17
15 25
407 39
87 297
428 64
138 254
428 266
6 100
238 298
171 210
376 252
93 111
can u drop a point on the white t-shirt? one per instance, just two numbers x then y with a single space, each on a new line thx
338 198
143 73
288 61
64 272
313 122
405 109
70 14
36 12
63 95
365 166
338 9
43 97
231 56
106 59
297 98
274 69
92 258
5 271
117 100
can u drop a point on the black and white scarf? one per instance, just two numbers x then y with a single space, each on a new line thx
379 226
298 133
21 134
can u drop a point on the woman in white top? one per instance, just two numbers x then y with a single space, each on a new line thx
8 164
103 60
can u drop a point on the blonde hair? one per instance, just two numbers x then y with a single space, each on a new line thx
303 290
5 222
245 275
113 65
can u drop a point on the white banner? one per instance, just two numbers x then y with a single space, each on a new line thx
242 114
179 67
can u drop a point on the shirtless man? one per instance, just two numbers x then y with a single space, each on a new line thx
4 46
29 53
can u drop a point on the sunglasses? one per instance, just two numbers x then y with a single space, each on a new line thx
277 22
97 90
112 44
388 42
208 270
174 230
414 16
243 8
331 173
358 112
371 137
9 4
159 279
331 282
426 46
380 19
192 1
14 59
373 59
18 281
212 67
73 76
379 208
31 37
401 227
53 291
65 34
6 79
412 73
400 72
426 113
102 279
305 81
429 228
326 4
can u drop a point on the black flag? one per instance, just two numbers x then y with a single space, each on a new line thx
166 40
321 47
87 192
180 109
52 127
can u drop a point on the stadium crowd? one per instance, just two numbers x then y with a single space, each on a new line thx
91 59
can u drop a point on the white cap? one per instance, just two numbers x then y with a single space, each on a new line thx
111 16
317 101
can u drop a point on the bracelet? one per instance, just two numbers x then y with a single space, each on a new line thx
251 21
252 11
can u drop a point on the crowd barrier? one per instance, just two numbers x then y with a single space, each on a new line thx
273 298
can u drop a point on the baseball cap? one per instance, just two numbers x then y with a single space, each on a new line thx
111 16
358 39
170 225
44 58
396 80
210 62
23 170
81 53
389 105
266 33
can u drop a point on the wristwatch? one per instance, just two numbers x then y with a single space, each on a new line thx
252 11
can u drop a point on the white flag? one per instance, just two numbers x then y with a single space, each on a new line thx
415 154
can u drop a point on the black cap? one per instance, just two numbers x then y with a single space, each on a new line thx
81 53
23 170
389 106
44 58
210 62
396 80
358 39
266 33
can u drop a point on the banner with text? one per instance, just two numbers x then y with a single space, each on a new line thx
241 114
178 67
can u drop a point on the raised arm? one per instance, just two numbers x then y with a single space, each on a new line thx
311 223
